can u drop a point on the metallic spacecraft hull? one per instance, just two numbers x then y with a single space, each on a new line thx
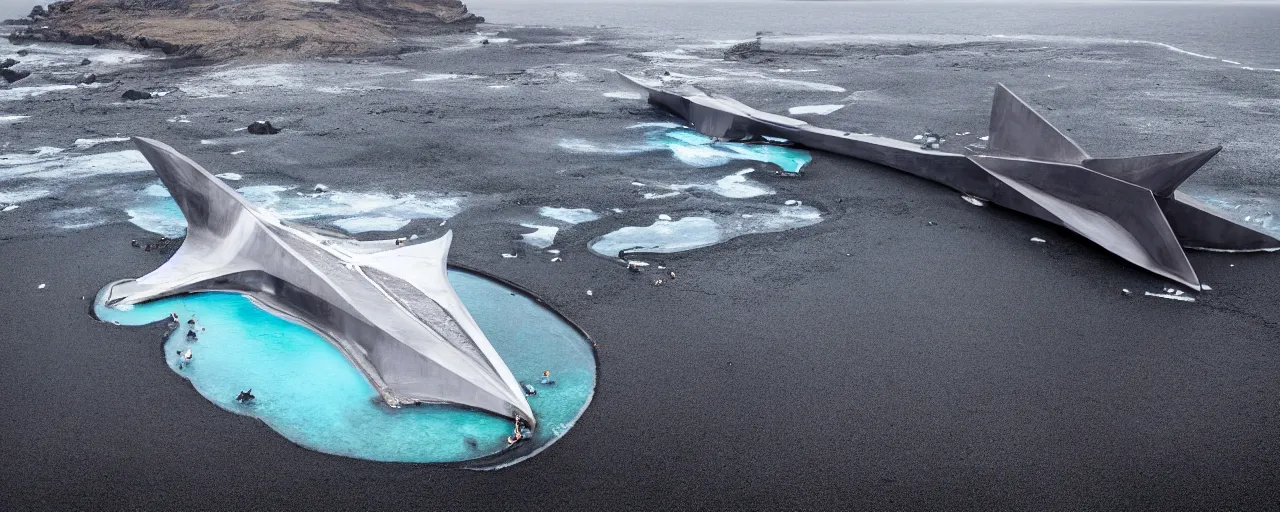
1128 206
389 309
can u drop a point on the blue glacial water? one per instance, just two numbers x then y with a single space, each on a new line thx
308 392
696 149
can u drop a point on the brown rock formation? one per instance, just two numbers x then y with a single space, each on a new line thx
231 28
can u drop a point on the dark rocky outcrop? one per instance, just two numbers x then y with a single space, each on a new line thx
8 63
135 95
742 50
12 75
219 29
263 128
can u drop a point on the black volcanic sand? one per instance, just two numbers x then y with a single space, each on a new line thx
870 361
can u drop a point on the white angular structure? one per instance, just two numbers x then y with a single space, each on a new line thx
389 309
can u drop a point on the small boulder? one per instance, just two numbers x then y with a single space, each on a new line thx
23 52
135 95
263 128
321 188
11 76
8 63
37 11
85 62
88 78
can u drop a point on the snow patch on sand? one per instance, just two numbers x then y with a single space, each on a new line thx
819 110
568 215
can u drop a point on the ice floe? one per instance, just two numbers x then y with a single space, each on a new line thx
569 215
1182 298
12 119
973 200
820 110
542 237
733 186
88 143
22 93
230 176
65 168
624 95
371 223
355 212
666 235
22 195
697 150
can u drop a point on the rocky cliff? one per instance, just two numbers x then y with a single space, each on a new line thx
220 29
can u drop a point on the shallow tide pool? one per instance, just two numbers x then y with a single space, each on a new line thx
308 392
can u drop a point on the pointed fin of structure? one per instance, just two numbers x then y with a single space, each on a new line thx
217 225
1122 218
1160 173
1018 130
1198 226
425 267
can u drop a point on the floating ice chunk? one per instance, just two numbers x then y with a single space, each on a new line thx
1167 296
663 195
436 77
230 176
638 184
371 223
542 236
590 293
687 233
238 151
735 186
820 110
556 259
121 162
973 200
775 139
88 143
553 251
12 119
320 188
984 137
917 137
41 287
22 93
499 86
663 124
792 202
635 263
616 210
22 195
1205 287
508 255
569 215
1178 292
10 208
624 95
664 217
1037 239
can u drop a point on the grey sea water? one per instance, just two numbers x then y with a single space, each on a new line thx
1239 31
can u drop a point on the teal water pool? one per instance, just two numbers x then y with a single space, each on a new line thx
308 392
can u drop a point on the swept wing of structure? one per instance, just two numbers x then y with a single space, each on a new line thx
390 309
1129 206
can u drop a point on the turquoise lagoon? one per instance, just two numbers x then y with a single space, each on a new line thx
308 392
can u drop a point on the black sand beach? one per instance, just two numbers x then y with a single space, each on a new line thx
871 361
